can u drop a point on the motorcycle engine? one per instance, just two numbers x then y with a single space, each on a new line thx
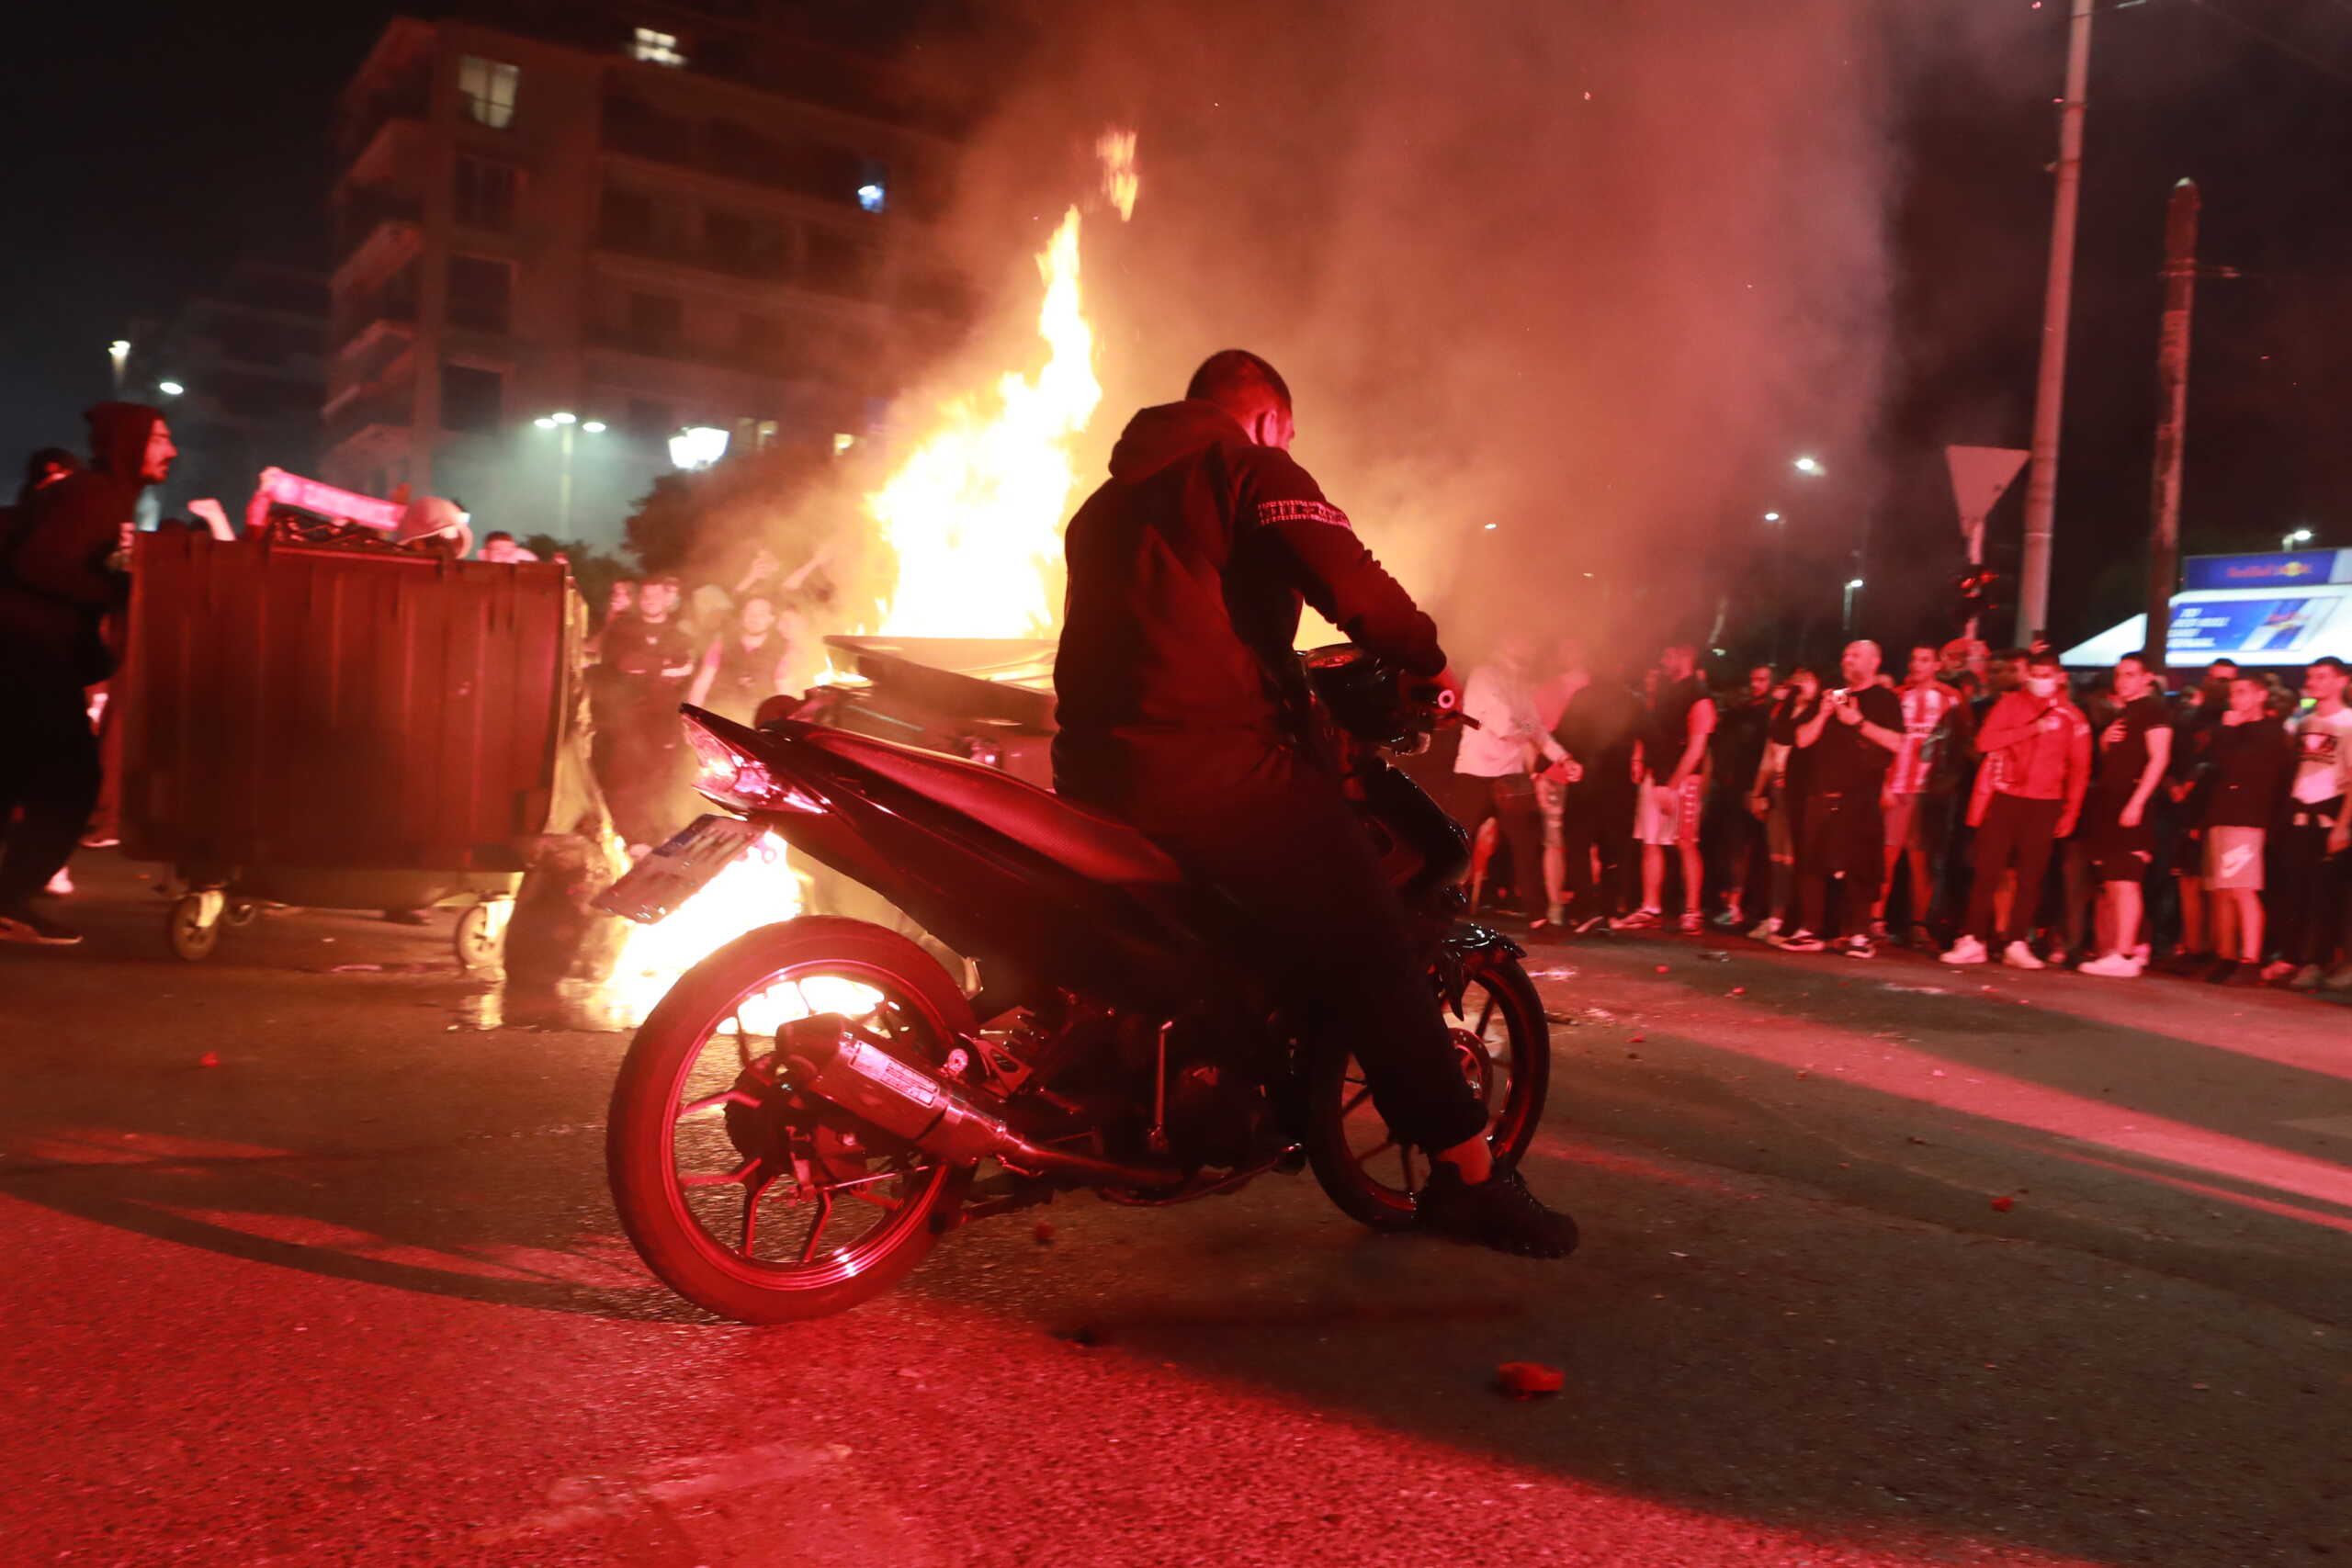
1217 1112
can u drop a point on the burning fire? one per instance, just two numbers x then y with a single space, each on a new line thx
975 517
975 513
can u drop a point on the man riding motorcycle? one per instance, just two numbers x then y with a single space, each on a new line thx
1182 710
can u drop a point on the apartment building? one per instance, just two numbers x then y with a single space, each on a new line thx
554 249
240 372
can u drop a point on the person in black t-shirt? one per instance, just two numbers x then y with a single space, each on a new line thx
649 658
2248 759
1780 786
1853 739
1732 836
2119 835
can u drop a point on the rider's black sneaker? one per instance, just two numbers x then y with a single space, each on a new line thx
1499 1212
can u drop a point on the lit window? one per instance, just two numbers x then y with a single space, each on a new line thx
873 187
488 86
656 49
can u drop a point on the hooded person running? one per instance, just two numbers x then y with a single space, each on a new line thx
1182 710
62 572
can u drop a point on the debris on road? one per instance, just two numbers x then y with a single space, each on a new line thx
210 1059
1528 1379
2004 1204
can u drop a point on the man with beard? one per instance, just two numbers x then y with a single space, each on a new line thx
743 667
1853 739
1182 710
64 570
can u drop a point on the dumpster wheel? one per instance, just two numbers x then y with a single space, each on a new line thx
481 936
192 936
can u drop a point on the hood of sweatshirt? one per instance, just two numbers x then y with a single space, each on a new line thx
118 434
1169 433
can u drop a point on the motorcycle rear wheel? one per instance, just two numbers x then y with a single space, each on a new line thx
689 1083
1505 1048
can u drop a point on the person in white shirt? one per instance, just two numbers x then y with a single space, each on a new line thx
1494 773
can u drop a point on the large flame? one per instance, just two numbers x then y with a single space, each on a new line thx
974 516
975 513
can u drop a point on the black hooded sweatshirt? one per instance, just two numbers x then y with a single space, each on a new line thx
1187 571
56 586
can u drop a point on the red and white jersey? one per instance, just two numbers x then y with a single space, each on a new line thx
1924 708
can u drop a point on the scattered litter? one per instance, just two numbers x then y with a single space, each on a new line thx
1044 1233
1739 990
1600 1015
1638 1040
356 969
2004 1204
1917 990
210 1059
1528 1379
2200 1387
1803 1073
1714 955
1665 969
1560 974
1936 1073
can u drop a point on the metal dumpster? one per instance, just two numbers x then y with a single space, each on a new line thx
345 729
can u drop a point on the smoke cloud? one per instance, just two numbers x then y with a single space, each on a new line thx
1591 274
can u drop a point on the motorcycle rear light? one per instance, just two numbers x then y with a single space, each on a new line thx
737 779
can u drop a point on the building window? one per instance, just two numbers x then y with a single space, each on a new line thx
488 87
839 264
480 293
656 319
485 194
472 399
655 49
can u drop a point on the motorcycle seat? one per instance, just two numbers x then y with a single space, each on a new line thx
1095 847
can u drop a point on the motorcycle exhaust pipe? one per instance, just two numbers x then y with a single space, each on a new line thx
826 1059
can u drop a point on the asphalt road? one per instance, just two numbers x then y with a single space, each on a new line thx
355 1296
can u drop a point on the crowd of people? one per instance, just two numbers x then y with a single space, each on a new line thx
725 646
1979 805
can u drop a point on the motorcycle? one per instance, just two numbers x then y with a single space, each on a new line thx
834 1075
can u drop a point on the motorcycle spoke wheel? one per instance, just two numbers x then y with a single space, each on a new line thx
1503 1048
742 1201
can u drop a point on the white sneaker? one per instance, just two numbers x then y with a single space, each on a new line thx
2017 955
1765 929
62 884
1967 950
2114 967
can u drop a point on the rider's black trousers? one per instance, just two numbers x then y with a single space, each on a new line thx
1279 838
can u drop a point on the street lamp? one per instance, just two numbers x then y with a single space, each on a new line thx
170 389
1809 465
2299 536
567 423
1853 586
1771 517
118 354
697 447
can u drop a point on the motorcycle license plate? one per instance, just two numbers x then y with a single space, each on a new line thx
679 868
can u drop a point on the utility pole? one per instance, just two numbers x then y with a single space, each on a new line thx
2050 392
2172 412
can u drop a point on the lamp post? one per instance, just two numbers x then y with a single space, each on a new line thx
2299 536
119 356
1853 586
564 423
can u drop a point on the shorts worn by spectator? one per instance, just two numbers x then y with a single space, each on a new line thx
1921 786
2135 750
1494 773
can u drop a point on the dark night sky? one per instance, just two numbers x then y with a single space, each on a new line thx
150 143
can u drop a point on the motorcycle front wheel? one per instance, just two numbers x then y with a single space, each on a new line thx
1504 1049
739 1202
